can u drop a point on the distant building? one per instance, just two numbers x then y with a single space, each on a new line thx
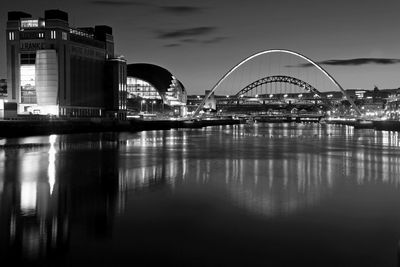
393 105
53 68
371 102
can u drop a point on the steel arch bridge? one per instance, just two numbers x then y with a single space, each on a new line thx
278 78
281 79
222 79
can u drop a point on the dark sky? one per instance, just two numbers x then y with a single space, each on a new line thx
358 40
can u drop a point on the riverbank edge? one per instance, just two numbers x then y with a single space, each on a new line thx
387 125
46 127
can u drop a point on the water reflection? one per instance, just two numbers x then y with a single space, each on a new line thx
78 185
33 223
275 181
51 169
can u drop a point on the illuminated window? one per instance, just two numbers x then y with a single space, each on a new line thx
360 94
140 88
81 33
11 36
27 78
30 23
28 196
64 35
53 35
41 35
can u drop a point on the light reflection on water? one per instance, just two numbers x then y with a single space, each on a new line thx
77 184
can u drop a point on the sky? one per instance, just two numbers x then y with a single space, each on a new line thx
356 41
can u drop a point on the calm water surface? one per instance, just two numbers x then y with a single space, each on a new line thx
268 195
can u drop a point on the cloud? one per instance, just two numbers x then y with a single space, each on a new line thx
189 40
215 40
352 62
189 32
197 41
172 45
181 10
176 10
117 3
195 35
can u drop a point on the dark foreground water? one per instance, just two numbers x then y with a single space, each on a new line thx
268 195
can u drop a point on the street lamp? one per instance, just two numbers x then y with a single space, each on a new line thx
141 105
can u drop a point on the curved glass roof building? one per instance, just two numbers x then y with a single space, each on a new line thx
152 82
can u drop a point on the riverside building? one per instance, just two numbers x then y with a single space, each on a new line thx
56 69
154 89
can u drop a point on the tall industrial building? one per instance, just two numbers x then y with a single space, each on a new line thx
56 69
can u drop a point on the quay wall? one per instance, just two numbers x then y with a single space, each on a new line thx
19 128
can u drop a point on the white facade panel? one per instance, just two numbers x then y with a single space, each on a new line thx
46 77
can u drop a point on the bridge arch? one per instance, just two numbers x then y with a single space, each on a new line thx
281 79
276 51
278 78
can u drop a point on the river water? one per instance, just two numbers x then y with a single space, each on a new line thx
243 195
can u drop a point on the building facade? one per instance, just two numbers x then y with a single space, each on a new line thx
116 93
53 68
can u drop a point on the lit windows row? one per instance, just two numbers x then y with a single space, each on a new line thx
32 23
81 33
53 35
27 81
26 35
34 35
139 88
27 75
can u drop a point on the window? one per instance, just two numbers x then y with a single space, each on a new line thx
11 36
27 81
28 58
64 35
139 88
53 35
27 35
30 23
